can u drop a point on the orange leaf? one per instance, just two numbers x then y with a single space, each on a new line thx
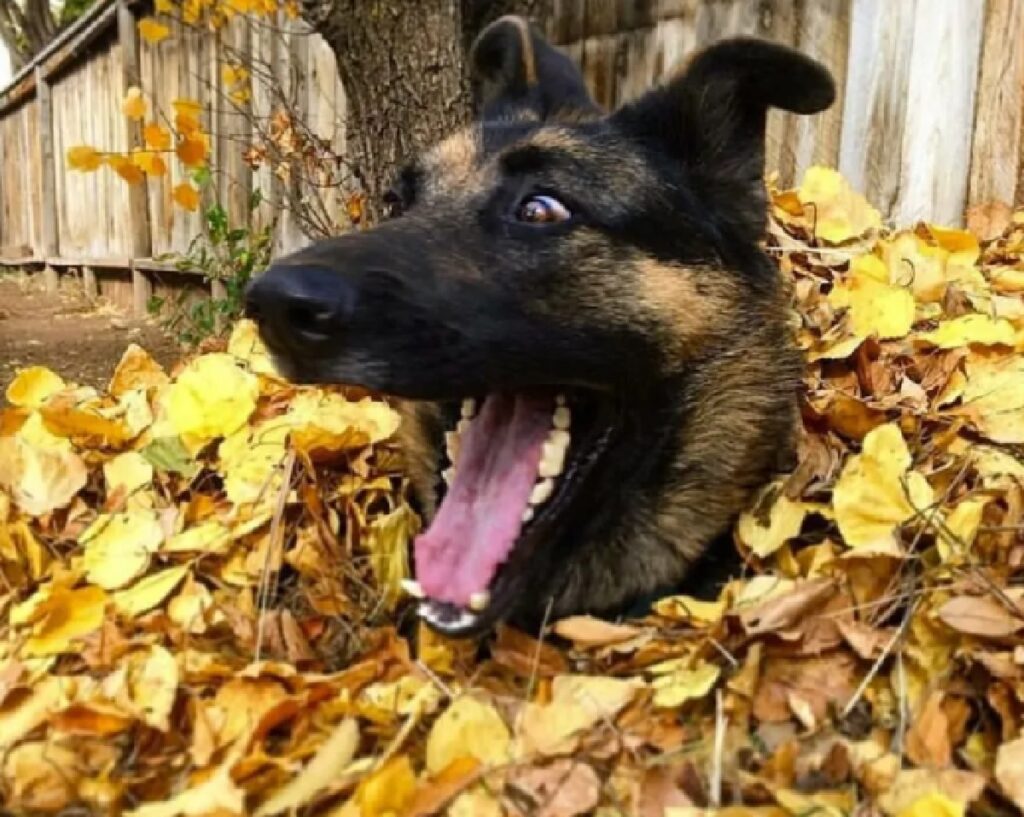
157 136
151 164
84 158
134 103
186 115
186 196
193 149
152 31
126 169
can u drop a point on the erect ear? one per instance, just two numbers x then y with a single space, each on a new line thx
517 73
712 117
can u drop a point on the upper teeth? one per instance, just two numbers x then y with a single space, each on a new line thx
468 408
413 588
479 600
542 491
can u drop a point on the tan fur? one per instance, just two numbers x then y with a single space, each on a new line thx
453 164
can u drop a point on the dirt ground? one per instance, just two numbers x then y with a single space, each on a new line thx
80 340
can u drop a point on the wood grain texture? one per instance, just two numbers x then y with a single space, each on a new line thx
997 172
926 119
875 102
941 87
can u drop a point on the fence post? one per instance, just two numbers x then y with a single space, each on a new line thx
48 211
140 237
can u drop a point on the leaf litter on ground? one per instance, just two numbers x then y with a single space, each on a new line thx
200 585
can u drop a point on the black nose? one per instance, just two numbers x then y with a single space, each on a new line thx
299 305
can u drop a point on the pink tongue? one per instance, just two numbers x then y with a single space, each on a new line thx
481 515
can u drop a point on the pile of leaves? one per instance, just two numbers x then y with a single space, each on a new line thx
201 607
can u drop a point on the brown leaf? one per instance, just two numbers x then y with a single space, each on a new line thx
928 737
989 220
564 788
818 681
981 616
588 631
781 612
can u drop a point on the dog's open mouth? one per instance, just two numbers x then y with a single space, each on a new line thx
515 463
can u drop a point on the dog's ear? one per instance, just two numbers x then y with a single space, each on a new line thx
712 116
516 73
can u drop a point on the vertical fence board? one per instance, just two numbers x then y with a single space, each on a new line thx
996 168
940 112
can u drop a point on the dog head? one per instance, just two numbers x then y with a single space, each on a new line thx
551 278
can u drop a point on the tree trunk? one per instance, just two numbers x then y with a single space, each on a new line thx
26 31
403 66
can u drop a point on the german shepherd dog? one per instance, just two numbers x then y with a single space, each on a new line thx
591 351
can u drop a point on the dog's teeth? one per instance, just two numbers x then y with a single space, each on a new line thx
562 418
479 601
462 427
451 444
412 588
448 474
542 491
552 458
468 408
560 400
527 514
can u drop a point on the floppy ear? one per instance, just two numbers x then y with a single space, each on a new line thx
516 73
712 117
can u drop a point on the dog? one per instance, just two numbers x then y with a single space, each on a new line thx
591 350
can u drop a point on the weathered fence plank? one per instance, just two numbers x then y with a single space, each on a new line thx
997 172
927 119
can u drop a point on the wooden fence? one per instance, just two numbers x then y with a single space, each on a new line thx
928 121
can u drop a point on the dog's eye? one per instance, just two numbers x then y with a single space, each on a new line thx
541 209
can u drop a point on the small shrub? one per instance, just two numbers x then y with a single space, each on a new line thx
222 252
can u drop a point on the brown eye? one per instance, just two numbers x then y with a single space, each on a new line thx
541 209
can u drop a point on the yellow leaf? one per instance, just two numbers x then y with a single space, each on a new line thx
388 538
22 716
934 804
84 158
149 163
1010 770
698 612
152 31
468 728
838 213
193 149
956 536
186 196
323 769
876 307
146 685
764 531
118 546
212 397
156 136
246 344
233 74
916 264
680 685
147 593
39 480
994 397
876 493
64 616
207 537
389 790
127 473
136 370
578 702
216 794
42 777
33 386
188 609
967 329
134 104
164 6
328 424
